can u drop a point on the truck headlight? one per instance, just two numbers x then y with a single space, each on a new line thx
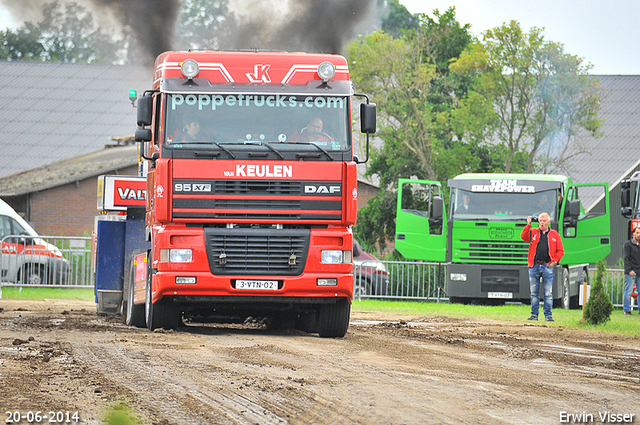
189 68
326 71
176 255
335 256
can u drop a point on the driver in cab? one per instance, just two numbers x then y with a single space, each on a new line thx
313 133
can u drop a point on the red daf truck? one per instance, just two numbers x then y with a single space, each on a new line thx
251 187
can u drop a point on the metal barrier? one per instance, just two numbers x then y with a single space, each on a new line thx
407 280
614 285
46 261
400 280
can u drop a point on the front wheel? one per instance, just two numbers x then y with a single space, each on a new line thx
135 313
163 313
333 319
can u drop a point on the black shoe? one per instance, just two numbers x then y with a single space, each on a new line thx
627 313
549 319
533 318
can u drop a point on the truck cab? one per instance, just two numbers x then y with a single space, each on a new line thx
252 187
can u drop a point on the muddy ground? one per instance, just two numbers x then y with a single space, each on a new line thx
61 356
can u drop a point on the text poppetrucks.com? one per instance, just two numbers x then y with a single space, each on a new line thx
599 418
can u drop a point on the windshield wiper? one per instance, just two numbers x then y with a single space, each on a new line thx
262 143
273 150
225 149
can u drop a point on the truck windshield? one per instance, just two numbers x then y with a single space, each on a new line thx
228 119
467 205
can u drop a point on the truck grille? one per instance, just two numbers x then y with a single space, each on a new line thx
487 251
257 187
257 251
256 199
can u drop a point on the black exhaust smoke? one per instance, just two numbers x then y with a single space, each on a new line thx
303 25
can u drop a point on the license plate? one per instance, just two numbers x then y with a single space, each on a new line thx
261 285
502 295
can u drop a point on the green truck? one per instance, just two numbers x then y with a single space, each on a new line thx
478 235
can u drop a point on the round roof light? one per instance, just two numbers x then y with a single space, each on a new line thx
326 71
189 68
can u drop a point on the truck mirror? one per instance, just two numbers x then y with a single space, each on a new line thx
145 107
437 207
574 207
142 135
368 118
625 197
626 212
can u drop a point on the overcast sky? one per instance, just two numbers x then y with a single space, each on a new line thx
606 34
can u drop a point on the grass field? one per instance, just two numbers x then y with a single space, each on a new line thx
619 323
11 293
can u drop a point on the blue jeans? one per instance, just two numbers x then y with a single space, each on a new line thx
537 274
628 288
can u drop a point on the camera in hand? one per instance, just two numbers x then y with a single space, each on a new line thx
534 219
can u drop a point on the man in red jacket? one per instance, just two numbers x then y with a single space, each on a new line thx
545 251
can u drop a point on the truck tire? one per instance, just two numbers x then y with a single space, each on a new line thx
134 313
163 313
333 319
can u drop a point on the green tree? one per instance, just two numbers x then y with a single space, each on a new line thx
204 23
65 34
527 94
599 306
397 18
71 36
24 44
409 79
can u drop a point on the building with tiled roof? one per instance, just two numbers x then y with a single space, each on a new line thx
52 111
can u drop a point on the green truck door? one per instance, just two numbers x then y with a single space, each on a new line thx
587 239
420 233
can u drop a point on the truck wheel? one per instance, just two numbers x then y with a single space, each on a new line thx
134 313
162 314
566 299
333 319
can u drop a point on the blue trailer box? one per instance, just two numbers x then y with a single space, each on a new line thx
110 255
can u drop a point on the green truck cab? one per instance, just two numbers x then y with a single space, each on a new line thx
478 235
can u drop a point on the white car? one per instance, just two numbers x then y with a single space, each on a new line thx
27 258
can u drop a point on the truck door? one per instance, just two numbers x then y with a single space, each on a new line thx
586 233
421 221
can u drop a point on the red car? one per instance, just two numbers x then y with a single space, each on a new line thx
371 276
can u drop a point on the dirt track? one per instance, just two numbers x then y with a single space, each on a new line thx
63 356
